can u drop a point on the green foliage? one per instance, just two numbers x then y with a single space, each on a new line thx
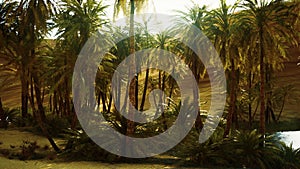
242 149
253 150
290 157
206 154
81 147
10 116
211 152
57 125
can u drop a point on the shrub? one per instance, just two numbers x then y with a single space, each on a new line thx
81 147
251 149
290 157
57 125
247 149
29 150
9 116
209 153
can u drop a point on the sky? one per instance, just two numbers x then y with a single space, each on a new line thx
169 6
163 6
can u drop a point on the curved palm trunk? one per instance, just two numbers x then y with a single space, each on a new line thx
41 112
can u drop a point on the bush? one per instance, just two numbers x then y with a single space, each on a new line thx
207 154
9 116
290 158
57 125
81 147
251 149
247 149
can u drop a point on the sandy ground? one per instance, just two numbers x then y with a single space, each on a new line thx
14 137
45 164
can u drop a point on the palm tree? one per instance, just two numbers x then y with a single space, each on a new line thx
10 43
165 42
222 28
134 5
34 25
29 26
8 58
197 17
133 94
76 22
270 32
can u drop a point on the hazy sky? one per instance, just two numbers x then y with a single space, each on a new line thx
168 6
163 6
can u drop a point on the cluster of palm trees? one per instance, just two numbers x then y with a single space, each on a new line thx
252 38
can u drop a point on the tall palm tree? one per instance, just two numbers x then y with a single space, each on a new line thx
197 17
133 93
29 27
35 14
133 6
270 32
222 29
76 21
34 25
11 48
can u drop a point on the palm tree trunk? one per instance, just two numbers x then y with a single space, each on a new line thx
41 112
132 89
109 103
237 82
269 110
262 84
198 122
282 106
232 100
67 98
31 98
103 98
2 115
55 108
171 91
249 97
50 102
24 92
136 92
145 90
161 101
99 99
